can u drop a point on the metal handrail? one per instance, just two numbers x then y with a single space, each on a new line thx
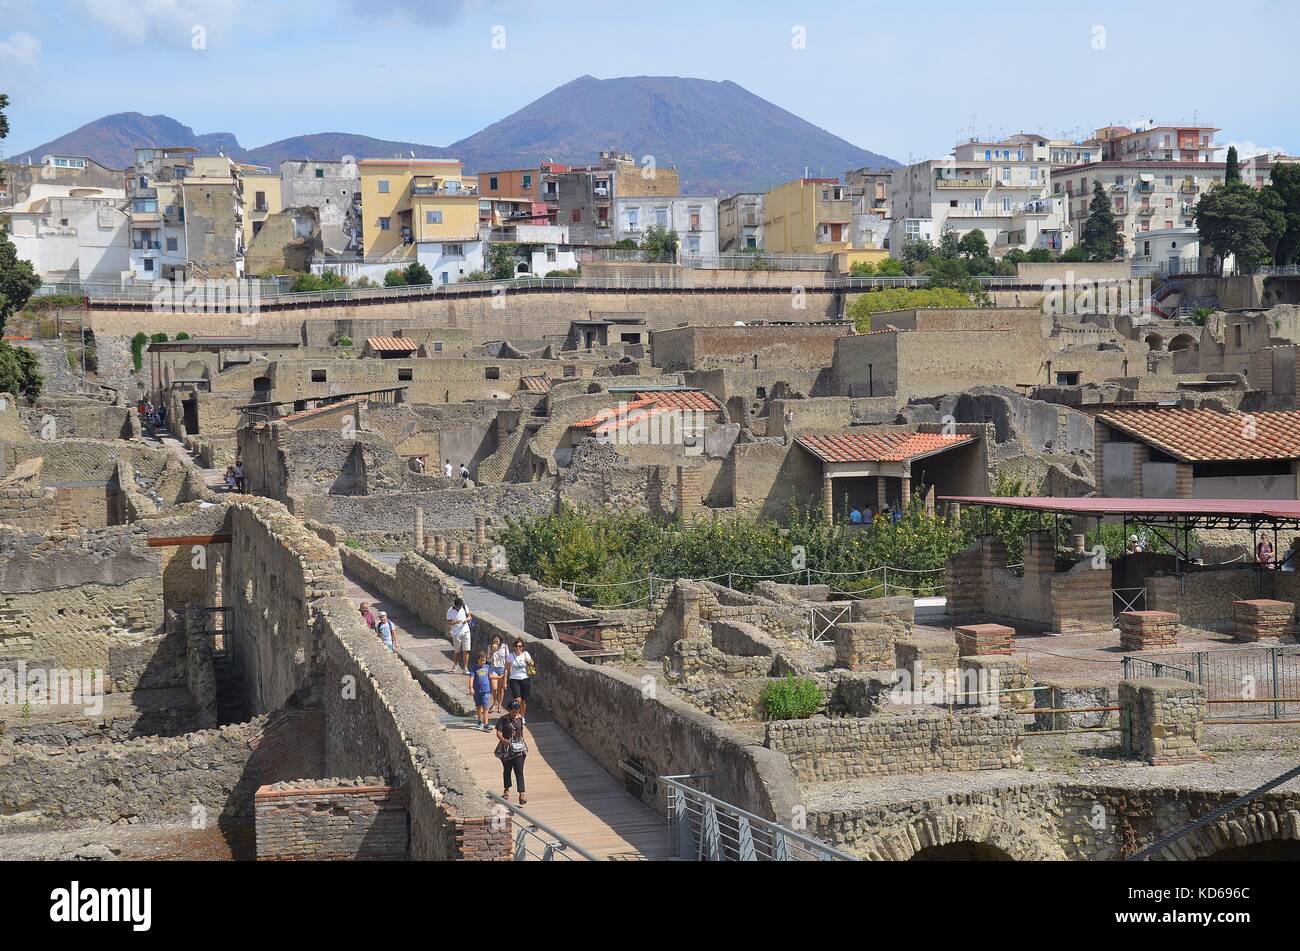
559 847
753 838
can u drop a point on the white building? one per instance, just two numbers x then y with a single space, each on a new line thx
695 219
448 261
1168 251
1000 188
71 234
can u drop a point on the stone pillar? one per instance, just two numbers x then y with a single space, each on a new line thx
466 557
828 499
1162 720
864 645
690 499
1262 617
419 528
480 530
439 546
881 496
1147 630
905 492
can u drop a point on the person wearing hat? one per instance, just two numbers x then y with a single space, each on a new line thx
512 750
1133 546
387 632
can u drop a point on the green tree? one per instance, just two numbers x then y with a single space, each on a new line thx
974 244
138 343
18 279
915 253
395 278
626 244
1231 220
890 267
1232 170
862 269
1102 240
20 372
659 244
1285 184
417 273
949 245
500 261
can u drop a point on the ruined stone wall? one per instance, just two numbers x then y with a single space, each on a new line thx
692 348
32 508
889 744
769 476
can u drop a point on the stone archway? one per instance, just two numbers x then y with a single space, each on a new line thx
1155 342
1270 827
963 851
1182 342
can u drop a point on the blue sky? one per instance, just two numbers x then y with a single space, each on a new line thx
902 79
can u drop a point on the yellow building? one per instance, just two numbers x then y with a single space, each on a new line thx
261 199
807 216
408 201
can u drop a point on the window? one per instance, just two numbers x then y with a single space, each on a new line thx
146 206
633 219
320 173
1146 249
148 264
403 374
171 244
1067 378
694 214
385 224
570 371
979 206
437 346
550 254
318 376
661 217
1236 332
1169 180
577 215
492 183
952 203
492 373
1006 204
257 229
433 217
1006 174
259 201
528 182
383 186
444 278
453 250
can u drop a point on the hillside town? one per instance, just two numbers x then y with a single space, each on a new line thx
392 508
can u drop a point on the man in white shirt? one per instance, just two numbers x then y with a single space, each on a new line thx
458 628
446 469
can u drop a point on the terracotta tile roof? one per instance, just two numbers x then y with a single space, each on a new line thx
882 446
660 400
399 344
630 419
534 384
1205 435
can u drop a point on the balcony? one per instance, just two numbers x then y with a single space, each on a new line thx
1189 188
963 183
1146 211
1119 187
146 245
1146 186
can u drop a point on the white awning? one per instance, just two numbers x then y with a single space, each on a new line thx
1147 177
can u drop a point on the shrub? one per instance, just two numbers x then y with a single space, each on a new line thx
137 350
564 272
417 273
793 698
862 269
363 282
395 278
158 338
345 341
902 298
890 267
53 302
20 372
476 276
182 336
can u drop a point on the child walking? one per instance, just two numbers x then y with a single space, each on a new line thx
480 685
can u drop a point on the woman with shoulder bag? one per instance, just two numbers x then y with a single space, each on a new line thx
512 750
519 673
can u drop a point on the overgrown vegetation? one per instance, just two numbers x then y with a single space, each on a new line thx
791 698
138 343
902 298
20 372
328 281
610 554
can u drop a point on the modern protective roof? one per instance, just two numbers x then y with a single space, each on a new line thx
1206 435
1263 509
879 446
392 344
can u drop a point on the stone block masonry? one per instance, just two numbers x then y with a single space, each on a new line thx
1162 720
864 646
1147 630
1260 618
890 744
331 819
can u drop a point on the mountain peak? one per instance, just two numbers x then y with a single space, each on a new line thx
720 136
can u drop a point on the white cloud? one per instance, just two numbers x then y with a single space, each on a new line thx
1245 150
20 49
162 20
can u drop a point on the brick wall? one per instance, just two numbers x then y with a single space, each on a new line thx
331 819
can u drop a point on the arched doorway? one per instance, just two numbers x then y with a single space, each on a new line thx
962 851
1182 342
1155 342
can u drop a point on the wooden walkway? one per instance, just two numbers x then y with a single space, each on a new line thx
567 790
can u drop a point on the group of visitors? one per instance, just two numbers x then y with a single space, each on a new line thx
449 473
1266 556
381 625
236 478
868 515
152 418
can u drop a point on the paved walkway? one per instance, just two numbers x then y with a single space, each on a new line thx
215 479
567 790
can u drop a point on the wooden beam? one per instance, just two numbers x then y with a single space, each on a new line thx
177 541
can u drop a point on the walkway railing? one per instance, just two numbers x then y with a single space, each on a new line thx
534 841
705 829
1241 683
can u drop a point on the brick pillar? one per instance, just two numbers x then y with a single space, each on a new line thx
1183 481
1140 457
480 530
864 645
439 546
881 496
905 492
1162 720
419 528
828 499
690 499
465 557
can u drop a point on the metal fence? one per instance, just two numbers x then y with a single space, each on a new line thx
702 828
1241 683
533 840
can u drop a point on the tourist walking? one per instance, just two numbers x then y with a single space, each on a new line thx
367 615
458 628
241 480
387 631
497 662
512 749
519 674
1264 552
446 469
480 686
230 478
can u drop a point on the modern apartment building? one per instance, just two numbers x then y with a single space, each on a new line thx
212 193
740 223
158 236
262 198
1000 188
695 219
581 198
422 210
511 197
71 234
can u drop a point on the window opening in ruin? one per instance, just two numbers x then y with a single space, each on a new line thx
318 376
404 375
492 373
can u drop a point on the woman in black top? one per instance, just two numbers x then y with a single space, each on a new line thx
512 750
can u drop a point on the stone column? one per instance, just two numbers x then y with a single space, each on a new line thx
881 495
828 499
480 530
439 546
466 558
1162 720
419 528
905 490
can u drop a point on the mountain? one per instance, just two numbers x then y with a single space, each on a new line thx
721 137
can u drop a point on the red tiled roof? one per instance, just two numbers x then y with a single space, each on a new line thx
391 343
611 411
883 446
629 419
534 384
1205 435
681 399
